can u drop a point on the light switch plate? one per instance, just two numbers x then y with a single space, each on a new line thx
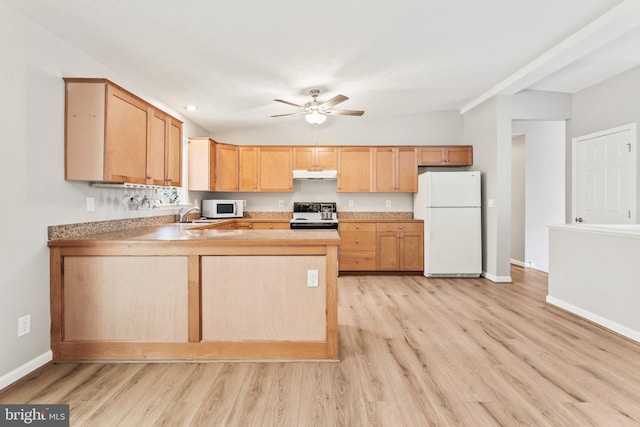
24 325
91 205
312 278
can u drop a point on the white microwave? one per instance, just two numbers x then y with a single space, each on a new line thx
222 208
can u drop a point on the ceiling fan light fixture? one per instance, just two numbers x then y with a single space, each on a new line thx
315 118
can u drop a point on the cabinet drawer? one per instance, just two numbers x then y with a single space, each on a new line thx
357 240
357 226
271 226
400 226
357 260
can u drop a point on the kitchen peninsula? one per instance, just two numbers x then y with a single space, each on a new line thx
190 292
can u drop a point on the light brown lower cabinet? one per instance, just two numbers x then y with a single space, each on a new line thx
400 246
357 247
381 246
214 299
242 224
125 298
271 225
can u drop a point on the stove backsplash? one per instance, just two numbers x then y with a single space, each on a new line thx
316 191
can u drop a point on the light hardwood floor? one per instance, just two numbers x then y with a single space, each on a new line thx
414 352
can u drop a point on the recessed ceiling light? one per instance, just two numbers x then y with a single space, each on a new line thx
191 108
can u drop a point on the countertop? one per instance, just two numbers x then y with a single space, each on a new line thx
197 233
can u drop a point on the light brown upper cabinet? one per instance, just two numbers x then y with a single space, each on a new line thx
355 169
266 168
112 135
248 168
445 155
202 160
396 169
315 158
173 156
226 167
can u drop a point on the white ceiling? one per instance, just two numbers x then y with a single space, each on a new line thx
232 58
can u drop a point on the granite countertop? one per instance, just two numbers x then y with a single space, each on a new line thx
164 228
197 233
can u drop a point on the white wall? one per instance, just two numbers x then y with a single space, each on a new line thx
517 200
437 128
544 185
35 194
488 128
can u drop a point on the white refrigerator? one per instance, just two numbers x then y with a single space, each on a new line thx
449 204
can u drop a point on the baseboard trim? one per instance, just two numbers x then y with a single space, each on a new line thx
520 263
24 370
497 279
592 317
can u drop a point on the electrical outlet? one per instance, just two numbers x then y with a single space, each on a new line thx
388 203
350 203
281 204
91 205
312 278
24 325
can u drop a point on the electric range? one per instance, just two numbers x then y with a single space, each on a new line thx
309 215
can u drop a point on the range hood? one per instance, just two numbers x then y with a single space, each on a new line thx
315 174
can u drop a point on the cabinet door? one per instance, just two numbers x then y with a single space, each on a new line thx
388 246
431 156
406 170
226 167
459 156
354 169
156 149
303 158
201 164
411 251
173 175
248 168
326 158
385 169
126 137
275 169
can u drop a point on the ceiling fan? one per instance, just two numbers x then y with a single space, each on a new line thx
316 112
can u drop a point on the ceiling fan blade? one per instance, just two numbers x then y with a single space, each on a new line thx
288 114
345 112
334 101
288 103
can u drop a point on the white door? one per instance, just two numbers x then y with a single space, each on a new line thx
604 176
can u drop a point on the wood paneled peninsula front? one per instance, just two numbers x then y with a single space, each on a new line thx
188 292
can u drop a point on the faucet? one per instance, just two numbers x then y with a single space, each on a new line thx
183 215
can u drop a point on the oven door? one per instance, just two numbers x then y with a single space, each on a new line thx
313 225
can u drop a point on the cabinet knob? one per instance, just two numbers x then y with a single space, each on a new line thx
357 242
149 177
357 260
357 227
